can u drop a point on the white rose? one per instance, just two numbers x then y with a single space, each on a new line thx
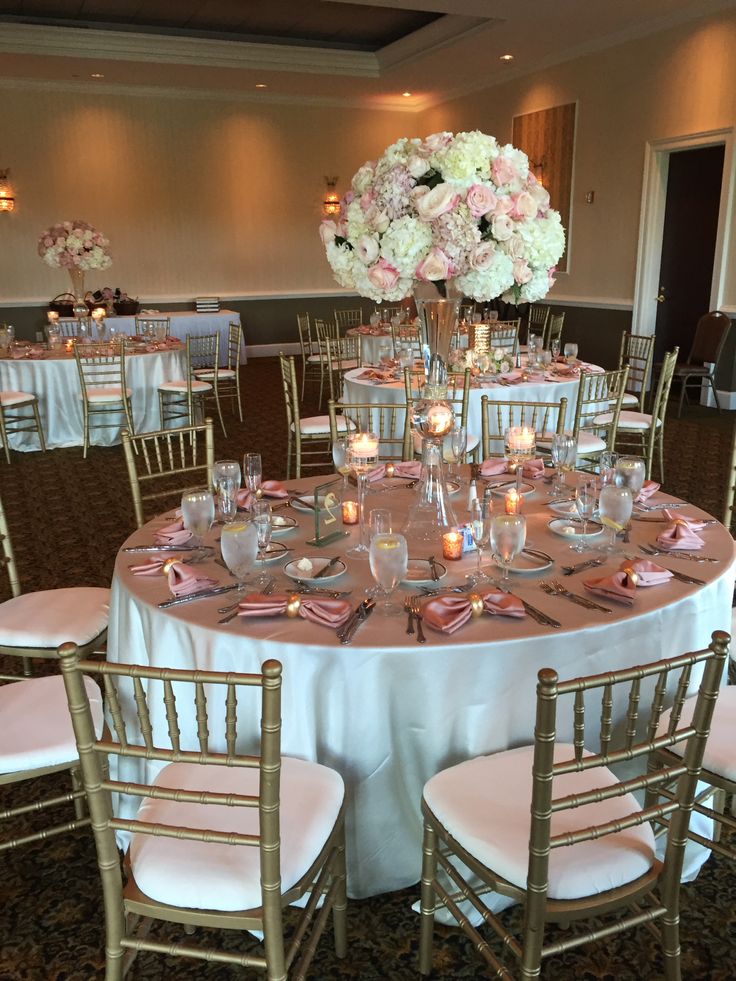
327 231
417 166
367 248
502 228
438 201
363 178
482 256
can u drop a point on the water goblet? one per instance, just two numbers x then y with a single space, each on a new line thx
226 481
481 515
239 547
563 453
389 559
615 505
571 352
508 536
586 500
631 472
379 522
252 471
261 517
198 512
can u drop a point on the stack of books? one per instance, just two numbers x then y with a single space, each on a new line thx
207 304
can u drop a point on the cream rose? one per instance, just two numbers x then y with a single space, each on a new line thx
417 166
482 255
438 201
480 200
502 228
327 231
435 265
383 275
525 206
522 272
367 248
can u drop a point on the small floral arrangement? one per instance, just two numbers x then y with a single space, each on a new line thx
455 210
70 244
500 361
494 362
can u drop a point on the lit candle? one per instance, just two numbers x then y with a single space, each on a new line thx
521 440
70 345
52 317
364 446
452 545
350 512
513 501
440 419
98 314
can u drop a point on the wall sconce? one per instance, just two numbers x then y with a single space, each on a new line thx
7 200
537 168
331 203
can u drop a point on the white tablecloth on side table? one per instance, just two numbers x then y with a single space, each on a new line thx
388 713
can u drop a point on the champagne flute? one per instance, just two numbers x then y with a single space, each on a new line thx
253 471
508 536
226 480
239 547
198 512
340 458
261 517
458 447
389 559
554 347
615 506
631 472
607 466
585 503
571 353
480 527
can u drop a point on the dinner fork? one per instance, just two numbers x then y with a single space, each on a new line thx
421 639
410 615
674 554
555 588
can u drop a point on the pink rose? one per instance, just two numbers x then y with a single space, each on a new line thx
367 249
502 228
383 276
539 193
48 241
435 265
504 205
438 201
327 231
522 272
348 197
480 200
524 206
551 276
436 142
504 171
482 255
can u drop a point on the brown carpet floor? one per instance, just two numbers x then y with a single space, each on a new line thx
67 518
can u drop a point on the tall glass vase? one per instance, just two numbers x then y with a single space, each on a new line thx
438 317
76 275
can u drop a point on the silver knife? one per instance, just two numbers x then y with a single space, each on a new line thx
168 548
325 569
300 500
203 594
362 613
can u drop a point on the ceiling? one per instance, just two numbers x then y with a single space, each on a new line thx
319 52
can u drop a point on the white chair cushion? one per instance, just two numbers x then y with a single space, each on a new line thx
16 398
347 365
629 399
589 443
719 756
53 616
484 804
209 373
107 393
316 358
473 441
180 385
639 421
37 728
206 875
316 425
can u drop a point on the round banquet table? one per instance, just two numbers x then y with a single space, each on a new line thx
371 339
55 381
388 713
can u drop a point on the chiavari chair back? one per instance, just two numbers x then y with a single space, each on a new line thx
79 327
408 336
343 354
222 838
391 421
595 430
226 381
309 438
325 331
182 400
553 330
458 395
19 413
537 319
158 327
348 318
505 334
545 418
637 352
104 390
312 358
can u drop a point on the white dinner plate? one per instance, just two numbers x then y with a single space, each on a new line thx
318 562
419 572
307 506
565 509
567 529
503 486
274 551
529 562
281 523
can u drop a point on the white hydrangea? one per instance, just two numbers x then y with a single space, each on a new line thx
467 158
536 289
543 238
405 243
488 283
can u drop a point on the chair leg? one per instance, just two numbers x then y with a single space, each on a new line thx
219 412
339 909
426 922
715 393
39 427
670 928
4 435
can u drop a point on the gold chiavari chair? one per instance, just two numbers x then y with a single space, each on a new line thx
589 850
545 418
643 432
728 505
221 839
312 357
458 395
226 381
148 326
407 335
19 414
537 319
553 330
391 421
348 318
388 312
466 312
637 352
325 331
182 400
166 459
104 389
505 334
343 354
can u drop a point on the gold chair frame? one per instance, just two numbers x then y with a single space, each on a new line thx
407 335
646 441
318 444
537 319
75 327
312 357
228 378
653 896
413 383
497 416
13 419
348 318
505 334
381 418
158 457
637 352
598 389
125 903
99 369
145 326
325 331
553 329
343 354
203 355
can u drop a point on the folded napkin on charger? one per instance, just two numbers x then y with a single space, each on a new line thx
681 534
532 469
449 613
649 487
269 488
183 580
409 468
173 534
647 573
323 610
620 586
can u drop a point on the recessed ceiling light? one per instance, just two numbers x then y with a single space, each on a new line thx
506 58
407 95
96 75
261 85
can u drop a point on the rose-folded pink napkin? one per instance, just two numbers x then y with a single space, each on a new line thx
173 534
449 613
618 587
681 535
407 468
323 610
269 488
648 573
532 469
649 487
183 580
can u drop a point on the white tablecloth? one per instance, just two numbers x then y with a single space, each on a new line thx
388 713
185 322
55 382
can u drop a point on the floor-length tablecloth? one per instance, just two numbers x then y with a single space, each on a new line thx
388 713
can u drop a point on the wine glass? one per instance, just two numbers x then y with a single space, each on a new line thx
340 457
508 536
226 481
458 446
631 472
405 356
480 527
571 352
379 522
615 505
252 471
389 559
239 547
585 503
607 466
554 347
198 512
261 517
563 452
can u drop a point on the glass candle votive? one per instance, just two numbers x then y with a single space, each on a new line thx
513 501
452 545
350 512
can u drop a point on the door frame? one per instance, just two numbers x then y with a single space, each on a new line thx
651 221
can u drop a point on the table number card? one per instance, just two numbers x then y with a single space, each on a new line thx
328 513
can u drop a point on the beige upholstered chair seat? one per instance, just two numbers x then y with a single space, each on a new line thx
209 373
16 398
53 616
484 803
313 425
587 442
629 399
36 728
207 875
107 393
640 421
719 756
316 358
180 385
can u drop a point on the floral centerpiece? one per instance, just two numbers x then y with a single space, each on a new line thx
455 210
75 246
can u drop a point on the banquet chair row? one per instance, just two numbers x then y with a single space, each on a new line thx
344 319
104 390
225 380
313 359
544 418
390 421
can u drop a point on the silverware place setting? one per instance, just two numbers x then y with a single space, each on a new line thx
415 614
359 615
554 588
570 570
680 576
538 615
675 554
232 611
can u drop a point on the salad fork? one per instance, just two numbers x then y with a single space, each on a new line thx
421 639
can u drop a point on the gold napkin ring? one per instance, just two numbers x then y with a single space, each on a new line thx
633 576
293 604
476 605
169 562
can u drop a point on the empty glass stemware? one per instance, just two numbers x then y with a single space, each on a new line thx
563 452
252 471
340 458
508 536
198 512
480 527
458 447
226 480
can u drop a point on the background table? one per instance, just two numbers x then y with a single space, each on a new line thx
388 713
370 343
55 381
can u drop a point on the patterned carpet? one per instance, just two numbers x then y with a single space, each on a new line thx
68 517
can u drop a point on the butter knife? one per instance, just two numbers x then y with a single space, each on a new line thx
300 500
168 548
203 594
362 613
535 614
325 569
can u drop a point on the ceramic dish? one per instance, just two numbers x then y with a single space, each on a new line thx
529 562
274 550
281 523
419 572
566 528
503 486
318 562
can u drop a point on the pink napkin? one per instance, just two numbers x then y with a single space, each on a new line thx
510 376
183 580
591 369
681 535
154 567
618 587
532 469
649 488
323 610
449 613
372 374
649 573
408 468
269 488
173 534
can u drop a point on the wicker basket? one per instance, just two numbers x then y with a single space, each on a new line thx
63 304
126 308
